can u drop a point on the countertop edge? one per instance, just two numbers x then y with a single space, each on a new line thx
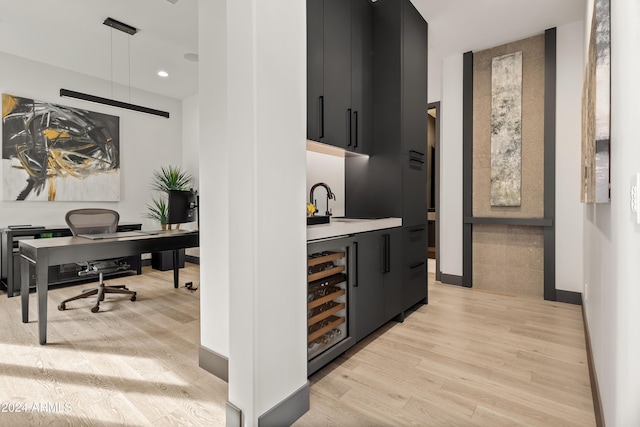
339 228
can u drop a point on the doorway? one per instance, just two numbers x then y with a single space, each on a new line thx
433 188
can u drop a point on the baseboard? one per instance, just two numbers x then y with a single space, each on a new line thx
213 363
569 297
288 411
451 279
595 389
192 259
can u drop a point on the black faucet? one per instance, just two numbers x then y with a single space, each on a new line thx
330 195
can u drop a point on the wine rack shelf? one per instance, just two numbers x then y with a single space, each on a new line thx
323 315
325 299
325 258
334 322
325 273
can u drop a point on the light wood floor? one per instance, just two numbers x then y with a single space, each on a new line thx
467 358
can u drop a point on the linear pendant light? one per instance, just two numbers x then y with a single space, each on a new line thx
128 29
112 102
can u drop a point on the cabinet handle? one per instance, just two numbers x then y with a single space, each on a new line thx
414 153
354 274
415 230
386 265
349 127
355 118
417 162
321 117
416 265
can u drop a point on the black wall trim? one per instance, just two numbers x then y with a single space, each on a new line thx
213 363
467 166
595 388
112 102
451 279
535 222
550 163
288 411
569 297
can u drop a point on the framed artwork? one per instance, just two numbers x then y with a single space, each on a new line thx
596 109
52 152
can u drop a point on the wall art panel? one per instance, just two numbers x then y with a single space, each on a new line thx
506 129
596 109
52 152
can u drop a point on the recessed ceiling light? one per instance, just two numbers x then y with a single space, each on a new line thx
163 73
193 57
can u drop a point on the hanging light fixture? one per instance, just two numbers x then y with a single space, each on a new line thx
128 29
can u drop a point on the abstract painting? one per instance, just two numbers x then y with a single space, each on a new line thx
506 130
52 152
596 109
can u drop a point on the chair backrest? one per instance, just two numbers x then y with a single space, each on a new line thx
92 221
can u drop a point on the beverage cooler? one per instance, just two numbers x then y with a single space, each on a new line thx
329 326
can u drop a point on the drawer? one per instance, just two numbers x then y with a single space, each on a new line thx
414 244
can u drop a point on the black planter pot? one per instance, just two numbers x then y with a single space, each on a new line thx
163 261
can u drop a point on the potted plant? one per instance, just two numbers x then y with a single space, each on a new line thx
163 180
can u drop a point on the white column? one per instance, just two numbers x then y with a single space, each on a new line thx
261 178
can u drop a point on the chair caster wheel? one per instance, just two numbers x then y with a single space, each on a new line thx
61 307
95 309
133 297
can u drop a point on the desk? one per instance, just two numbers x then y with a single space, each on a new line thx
41 253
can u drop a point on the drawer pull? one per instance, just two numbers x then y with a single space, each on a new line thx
416 265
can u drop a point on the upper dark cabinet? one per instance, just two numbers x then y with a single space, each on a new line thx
339 73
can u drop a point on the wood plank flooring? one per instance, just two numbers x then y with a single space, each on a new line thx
468 358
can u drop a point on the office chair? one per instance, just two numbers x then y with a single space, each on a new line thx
96 221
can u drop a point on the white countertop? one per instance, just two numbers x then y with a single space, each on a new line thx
341 227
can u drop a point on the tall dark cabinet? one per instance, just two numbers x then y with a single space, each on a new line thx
393 181
339 73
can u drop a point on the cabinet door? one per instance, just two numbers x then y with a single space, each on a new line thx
337 72
361 140
414 81
368 288
315 61
392 275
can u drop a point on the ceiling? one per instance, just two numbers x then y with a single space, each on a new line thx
70 34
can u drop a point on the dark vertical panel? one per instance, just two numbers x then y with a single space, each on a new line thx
362 76
315 49
467 166
550 163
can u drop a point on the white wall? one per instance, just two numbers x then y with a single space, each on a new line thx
146 142
330 170
612 239
451 167
569 210
434 89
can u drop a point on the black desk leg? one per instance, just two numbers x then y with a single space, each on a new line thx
25 267
176 268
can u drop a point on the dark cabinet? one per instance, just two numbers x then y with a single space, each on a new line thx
414 189
339 73
377 288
